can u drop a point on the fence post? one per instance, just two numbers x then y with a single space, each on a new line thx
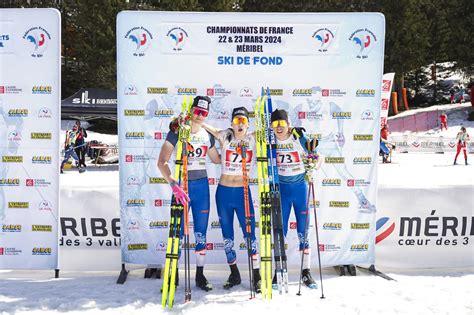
405 100
394 103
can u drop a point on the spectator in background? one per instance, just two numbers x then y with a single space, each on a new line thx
443 121
462 138
451 92
80 147
385 146
69 152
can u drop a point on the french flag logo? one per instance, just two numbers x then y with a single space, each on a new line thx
384 227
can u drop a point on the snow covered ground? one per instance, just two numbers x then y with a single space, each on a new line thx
414 292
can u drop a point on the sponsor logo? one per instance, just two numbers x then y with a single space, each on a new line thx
129 158
41 251
215 225
134 112
38 39
209 246
41 89
164 113
219 246
130 90
14 136
10 251
246 92
358 160
158 225
367 115
357 183
331 182
134 180
135 135
384 227
38 182
41 228
310 115
363 137
384 104
84 99
37 159
161 247
18 205
332 93
139 38
334 160
386 85
332 226
276 92
45 112
157 180
302 92
11 228
137 246
221 114
12 159
133 225
10 89
338 204
45 205
341 115
364 204
160 135
364 40
218 92
178 38
135 202
324 38
293 225
329 248
9 182
359 247
41 135
156 90
365 93
187 91
18 112
360 226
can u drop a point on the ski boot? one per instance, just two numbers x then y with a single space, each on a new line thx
234 278
308 280
274 281
201 281
465 162
455 163
257 281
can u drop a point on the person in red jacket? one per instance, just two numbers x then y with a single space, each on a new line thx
462 138
443 121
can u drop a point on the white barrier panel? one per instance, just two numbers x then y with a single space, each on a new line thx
414 143
312 62
29 138
90 229
425 228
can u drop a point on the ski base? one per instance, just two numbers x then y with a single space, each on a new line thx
375 272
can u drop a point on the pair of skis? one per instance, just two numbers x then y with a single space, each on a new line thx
270 200
178 211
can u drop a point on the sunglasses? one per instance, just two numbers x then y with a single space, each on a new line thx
240 120
281 123
200 112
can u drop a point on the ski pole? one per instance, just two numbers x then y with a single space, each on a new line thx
243 153
304 239
187 267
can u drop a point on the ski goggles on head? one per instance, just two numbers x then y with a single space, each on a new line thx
281 123
237 120
200 112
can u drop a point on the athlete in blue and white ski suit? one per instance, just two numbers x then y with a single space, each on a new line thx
198 185
291 145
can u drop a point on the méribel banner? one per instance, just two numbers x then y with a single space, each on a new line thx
325 70
29 132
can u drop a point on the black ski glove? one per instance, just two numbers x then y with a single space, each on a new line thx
298 132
